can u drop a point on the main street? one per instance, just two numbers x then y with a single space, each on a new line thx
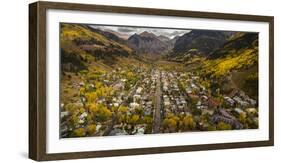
158 104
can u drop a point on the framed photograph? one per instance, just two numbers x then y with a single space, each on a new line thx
112 81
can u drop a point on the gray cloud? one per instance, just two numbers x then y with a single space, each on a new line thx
171 33
178 32
125 29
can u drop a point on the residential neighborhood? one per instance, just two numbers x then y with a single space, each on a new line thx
144 100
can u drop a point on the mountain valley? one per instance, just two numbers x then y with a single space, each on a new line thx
115 83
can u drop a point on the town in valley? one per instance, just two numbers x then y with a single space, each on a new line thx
134 81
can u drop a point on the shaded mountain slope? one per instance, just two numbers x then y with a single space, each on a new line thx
204 42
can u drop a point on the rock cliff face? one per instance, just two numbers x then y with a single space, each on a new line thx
148 43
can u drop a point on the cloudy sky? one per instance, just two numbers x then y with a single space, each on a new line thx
128 31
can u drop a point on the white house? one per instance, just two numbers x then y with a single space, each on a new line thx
139 90
134 105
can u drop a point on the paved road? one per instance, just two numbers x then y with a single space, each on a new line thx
157 112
